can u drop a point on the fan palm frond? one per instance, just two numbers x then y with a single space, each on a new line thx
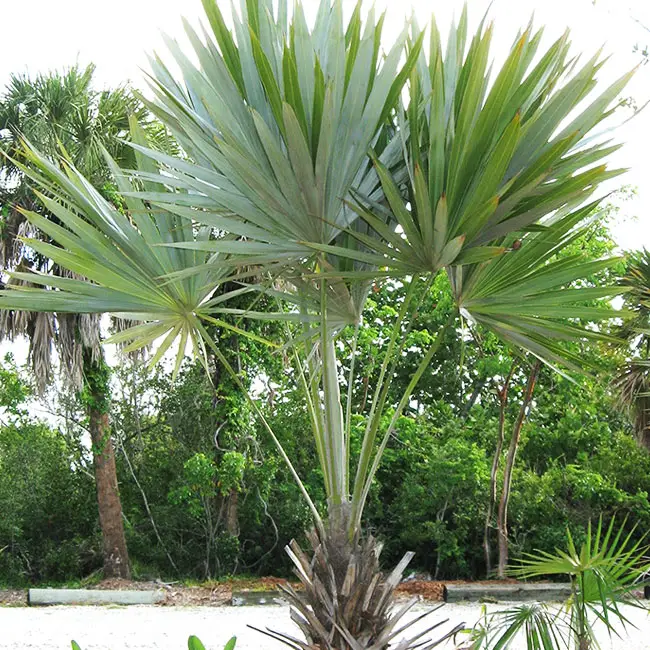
119 262
633 382
278 122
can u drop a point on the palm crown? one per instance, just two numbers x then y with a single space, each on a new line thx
482 177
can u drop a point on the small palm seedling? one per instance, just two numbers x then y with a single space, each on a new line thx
604 573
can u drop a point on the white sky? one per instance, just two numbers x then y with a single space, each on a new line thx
41 35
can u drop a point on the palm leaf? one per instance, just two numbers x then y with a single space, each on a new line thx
286 143
119 266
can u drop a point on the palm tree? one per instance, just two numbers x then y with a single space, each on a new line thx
63 111
314 182
604 572
633 383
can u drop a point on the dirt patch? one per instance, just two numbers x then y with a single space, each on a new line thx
178 595
211 594
270 583
505 581
427 589
215 596
119 584
13 598
435 591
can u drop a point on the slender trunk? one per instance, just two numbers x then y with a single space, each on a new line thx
478 388
503 403
209 538
643 421
232 513
644 438
502 516
440 516
116 558
147 508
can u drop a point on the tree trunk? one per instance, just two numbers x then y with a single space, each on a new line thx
232 513
116 558
503 403
643 420
440 517
502 516
476 393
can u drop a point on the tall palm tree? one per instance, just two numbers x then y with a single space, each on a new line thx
61 110
633 383
314 182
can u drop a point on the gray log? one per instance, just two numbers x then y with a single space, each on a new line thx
93 597
544 592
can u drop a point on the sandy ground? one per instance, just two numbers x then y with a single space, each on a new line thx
167 628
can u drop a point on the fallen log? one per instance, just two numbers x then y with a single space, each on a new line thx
544 592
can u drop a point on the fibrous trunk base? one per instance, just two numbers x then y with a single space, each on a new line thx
347 602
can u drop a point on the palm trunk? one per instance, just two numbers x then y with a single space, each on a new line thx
116 558
347 602
502 516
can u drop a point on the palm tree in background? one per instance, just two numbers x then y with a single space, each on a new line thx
61 111
307 180
633 383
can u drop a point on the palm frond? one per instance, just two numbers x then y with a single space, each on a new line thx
633 382
605 571
117 262
278 120
537 299
485 152
541 628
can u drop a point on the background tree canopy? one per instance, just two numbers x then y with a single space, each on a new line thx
187 446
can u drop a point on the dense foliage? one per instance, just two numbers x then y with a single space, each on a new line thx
206 495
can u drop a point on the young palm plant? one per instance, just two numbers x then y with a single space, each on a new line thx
314 183
604 572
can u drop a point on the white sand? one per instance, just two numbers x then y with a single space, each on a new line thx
167 628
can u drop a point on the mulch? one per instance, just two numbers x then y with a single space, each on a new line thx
426 589
13 597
